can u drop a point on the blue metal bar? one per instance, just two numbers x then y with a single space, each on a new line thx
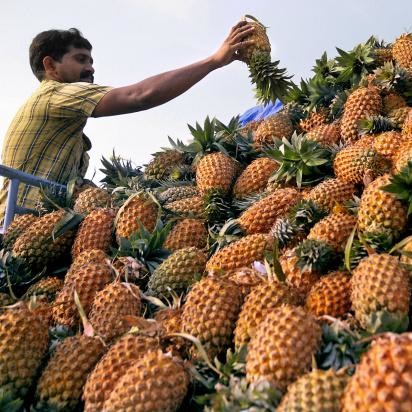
16 177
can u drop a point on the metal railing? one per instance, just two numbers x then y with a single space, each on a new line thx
15 178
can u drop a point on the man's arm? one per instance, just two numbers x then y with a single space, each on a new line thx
161 88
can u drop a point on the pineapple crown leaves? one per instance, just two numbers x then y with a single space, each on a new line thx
321 92
146 247
298 94
239 205
9 402
117 171
55 197
218 209
316 256
375 124
325 68
355 64
305 214
228 233
401 186
299 158
392 77
271 82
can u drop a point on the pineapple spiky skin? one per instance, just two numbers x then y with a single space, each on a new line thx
352 163
380 285
316 391
90 256
16 228
386 365
313 120
35 247
162 164
23 343
112 366
91 199
407 124
191 207
331 192
61 383
327 134
187 233
245 278
95 232
392 101
383 55
262 299
177 193
170 321
178 271
47 287
398 116
215 172
334 229
156 382
330 295
261 44
402 156
240 253
387 144
278 125
210 312
260 217
380 211
402 50
111 305
282 348
138 208
86 280
255 177
363 102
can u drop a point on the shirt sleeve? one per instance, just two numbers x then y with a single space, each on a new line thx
77 99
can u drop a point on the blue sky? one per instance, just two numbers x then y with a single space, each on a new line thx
135 39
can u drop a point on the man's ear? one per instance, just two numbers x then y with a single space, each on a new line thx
49 64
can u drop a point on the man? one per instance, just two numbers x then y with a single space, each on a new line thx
46 135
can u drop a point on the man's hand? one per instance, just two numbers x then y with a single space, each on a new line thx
233 43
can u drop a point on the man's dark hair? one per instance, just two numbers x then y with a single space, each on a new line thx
54 43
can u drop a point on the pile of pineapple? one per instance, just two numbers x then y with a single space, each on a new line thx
264 267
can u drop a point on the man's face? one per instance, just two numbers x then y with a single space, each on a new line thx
75 66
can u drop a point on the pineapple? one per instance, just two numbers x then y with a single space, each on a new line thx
331 192
162 164
112 366
326 134
245 278
137 209
116 301
91 199
402 156
86 280
334 229
177 193
187 233
283 346
60 386
407 124
381 293
383 378
178 271
156 382
361 103
255 177
95 232
313 120
191 207
210 312
316 391
330 295
380 211
240 253
47 287
398 116
278 126
16 228
402 50
36 247
215 172
23 343
90 256
5 300
387 144
260 217
261 300
392 101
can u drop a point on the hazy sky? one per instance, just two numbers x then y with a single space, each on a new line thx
135 39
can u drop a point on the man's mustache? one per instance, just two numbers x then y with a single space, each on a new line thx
87 76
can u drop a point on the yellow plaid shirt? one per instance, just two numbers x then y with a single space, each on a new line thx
46 136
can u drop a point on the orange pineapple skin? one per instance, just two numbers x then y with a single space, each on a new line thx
215 171
387 144
240 253
402 50
331 295
91 199
325 134
363 102
255 177
387 366
260 217
112 366
260 44
19 224
136 208
187 233
314 119
95 232
278 125
191 207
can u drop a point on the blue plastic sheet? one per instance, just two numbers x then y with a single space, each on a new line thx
260 112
